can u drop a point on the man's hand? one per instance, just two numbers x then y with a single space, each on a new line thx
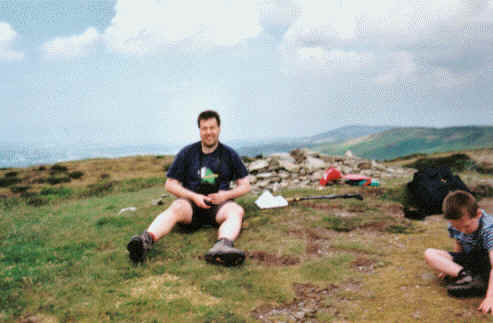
487 305
201 201
219 197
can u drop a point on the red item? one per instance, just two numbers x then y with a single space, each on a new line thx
330 174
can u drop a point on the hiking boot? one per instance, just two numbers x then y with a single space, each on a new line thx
223 253
467 285
139 246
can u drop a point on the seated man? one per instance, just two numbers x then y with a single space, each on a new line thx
200 178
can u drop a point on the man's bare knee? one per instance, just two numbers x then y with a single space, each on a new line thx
230 211
181 210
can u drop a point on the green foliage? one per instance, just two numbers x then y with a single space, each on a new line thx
57 168
456 162
11 174
76 174
113 221
330 269
137 184
9 181
343 224
62 192
19 189
53 180
98 189
220 314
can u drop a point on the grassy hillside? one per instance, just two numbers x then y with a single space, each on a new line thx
405 141
63 258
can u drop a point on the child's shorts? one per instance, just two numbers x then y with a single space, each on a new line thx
477 261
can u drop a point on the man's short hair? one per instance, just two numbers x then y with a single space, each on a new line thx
209 114
455 203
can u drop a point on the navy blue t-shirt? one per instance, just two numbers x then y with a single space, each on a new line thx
191 164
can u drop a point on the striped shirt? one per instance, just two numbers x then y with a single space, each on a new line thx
481 238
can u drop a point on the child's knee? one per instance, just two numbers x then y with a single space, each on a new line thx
430 253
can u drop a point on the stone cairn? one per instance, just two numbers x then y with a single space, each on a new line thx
303 168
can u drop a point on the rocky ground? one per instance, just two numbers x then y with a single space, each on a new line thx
302 168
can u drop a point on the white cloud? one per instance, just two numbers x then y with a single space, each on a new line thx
149 26
72 46
392 41
7 36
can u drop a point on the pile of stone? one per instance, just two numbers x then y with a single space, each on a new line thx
302 168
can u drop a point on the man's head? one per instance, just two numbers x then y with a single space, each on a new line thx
461 210
209 124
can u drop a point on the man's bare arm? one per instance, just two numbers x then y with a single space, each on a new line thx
174 187
242 188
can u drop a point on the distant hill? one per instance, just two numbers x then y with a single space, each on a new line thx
405 141
267 147
347 133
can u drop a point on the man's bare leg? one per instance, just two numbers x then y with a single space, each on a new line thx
179 211
230 218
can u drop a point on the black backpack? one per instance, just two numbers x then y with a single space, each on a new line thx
429 187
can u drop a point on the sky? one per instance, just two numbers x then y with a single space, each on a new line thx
139 72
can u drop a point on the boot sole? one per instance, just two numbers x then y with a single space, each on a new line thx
225 259
136 250
466 291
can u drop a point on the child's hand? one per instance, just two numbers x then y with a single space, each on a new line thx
442 275
487 305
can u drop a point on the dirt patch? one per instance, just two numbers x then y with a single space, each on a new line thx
308 301
373 192
321 205
374 226
363 264
37 318
267 259
394 210
316 241
317 233
313 248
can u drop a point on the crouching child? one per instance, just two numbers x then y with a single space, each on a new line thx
467 270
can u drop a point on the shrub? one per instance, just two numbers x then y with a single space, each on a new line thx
98 189
8 181
41 168
19 189
11 174
57 168
40 180
58 191
36 201
57 180
76 174
456 163
104 176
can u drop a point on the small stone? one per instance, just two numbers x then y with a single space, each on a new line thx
128 209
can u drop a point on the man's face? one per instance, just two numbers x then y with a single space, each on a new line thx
209 132
466 224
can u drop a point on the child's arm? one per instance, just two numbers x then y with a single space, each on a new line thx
487 304
458 247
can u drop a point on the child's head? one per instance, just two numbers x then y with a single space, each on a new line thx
461 210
